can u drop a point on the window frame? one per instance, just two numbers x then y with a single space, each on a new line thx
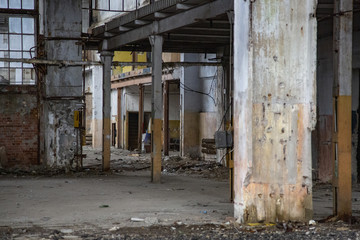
21 13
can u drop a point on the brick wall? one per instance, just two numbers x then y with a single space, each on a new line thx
19 125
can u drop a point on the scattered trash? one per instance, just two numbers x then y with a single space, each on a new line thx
134 219
342 229
204 212
312 222
66 231
179 223
114 229
173 228
104 206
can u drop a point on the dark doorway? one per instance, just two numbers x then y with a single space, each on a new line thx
133 130
113 134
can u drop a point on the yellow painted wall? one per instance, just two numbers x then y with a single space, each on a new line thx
127 56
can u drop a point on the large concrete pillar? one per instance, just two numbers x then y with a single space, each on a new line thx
106 59
156 107
274 109
62 86
342 37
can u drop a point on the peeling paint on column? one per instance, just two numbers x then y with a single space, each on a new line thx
62 87
274 109
61 136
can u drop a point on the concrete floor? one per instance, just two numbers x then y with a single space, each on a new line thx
69 201
106 201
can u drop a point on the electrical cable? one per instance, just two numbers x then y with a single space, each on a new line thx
222 120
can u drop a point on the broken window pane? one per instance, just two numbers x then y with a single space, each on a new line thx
15 25
4 42
28 25
15 42
3 4
4 76
28 42
14 4
4 26
28 4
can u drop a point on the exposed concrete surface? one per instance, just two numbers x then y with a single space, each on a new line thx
69 201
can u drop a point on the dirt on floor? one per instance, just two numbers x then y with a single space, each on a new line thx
191 203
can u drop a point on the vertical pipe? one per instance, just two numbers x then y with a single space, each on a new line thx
106 58
141 116
166 118
342 40
156 107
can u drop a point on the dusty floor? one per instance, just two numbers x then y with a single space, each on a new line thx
90 204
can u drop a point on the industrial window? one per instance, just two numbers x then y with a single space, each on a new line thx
17 41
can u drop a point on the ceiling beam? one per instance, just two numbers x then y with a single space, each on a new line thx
194 15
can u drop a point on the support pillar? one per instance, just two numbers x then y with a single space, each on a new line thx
274 109
220 103
156 107
166 118
119 118
106 59
342 38
141 116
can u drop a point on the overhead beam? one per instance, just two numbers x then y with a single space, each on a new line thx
158 15
65 63
124 29
181 6
194 15
141 22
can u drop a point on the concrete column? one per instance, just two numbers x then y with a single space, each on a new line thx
220 103
343 27
141 115
97 118
274 109
119 118
166 118
156 106
106 59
